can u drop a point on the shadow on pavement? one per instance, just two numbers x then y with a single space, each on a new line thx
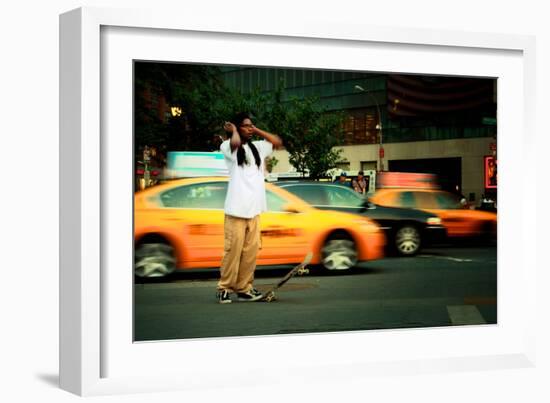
261 272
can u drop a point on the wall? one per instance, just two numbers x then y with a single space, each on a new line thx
471 151
29 130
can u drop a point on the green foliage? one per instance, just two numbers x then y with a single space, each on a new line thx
270 163
198 90
149 127
310 135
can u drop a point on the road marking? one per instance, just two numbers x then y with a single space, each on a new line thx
453 259
465 315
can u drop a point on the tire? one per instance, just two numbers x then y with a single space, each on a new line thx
154 260
487 233
339 253
407 240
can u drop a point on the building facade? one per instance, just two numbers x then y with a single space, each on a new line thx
397 122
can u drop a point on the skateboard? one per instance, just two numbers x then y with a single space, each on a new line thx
300 269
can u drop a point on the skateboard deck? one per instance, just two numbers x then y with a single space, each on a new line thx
300 269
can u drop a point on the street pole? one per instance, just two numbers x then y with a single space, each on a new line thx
380 133
146 159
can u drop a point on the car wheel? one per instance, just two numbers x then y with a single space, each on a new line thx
407 240
487 233
154 260
339 253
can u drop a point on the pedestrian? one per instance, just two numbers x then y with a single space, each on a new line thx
487 203
461 197
244 202
361 183
342 179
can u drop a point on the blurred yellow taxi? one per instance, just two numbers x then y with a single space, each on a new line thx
459 220
179 225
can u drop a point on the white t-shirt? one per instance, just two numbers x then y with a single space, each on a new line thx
246 191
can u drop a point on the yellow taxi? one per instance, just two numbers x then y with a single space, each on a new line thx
179 225
459 220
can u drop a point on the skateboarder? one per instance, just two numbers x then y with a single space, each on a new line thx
244 202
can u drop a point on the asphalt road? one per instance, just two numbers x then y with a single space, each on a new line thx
447 286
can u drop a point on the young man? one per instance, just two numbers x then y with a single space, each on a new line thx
244 202
361 183
342 179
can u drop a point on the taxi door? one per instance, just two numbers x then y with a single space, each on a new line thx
447 207
195 213
283 233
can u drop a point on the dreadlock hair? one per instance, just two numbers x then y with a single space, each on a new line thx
241 155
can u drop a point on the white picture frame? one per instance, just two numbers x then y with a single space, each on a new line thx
96 355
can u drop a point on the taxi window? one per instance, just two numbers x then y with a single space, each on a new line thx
339 196
274 201
425 200
197 196
407 200
314 195
447 201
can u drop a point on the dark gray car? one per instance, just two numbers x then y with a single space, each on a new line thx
407 230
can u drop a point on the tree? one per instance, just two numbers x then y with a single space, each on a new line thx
199 93
270 163
309 133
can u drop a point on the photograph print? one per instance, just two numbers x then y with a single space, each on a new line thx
284 200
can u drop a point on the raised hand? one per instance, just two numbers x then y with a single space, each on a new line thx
229 127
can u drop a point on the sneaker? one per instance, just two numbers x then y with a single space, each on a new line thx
251 295
223 297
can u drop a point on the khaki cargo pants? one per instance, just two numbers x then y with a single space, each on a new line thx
241 245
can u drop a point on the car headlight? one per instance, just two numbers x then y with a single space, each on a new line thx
434 221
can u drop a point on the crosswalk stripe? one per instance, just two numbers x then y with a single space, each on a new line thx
465 315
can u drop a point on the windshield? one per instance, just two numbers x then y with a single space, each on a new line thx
448 201
326 195
339 196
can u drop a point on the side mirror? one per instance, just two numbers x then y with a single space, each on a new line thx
368 205
291 208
